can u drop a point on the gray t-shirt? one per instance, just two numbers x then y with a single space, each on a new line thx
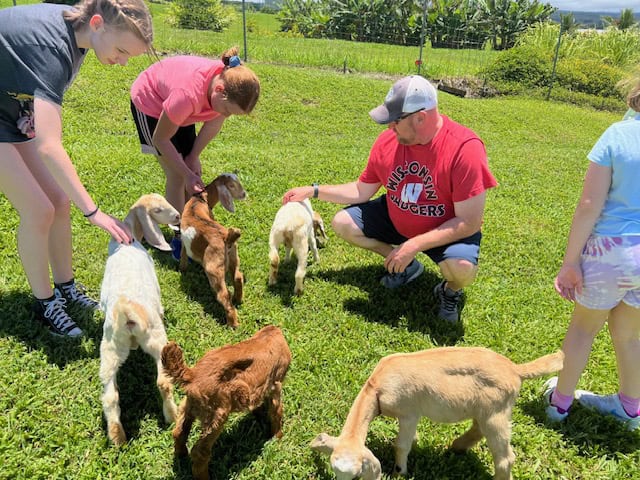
39 56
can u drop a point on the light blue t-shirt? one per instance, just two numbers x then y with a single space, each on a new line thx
619 149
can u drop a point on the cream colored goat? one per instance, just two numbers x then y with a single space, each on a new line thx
447 385
298 227
130 298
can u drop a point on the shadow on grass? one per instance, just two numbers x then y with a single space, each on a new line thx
413 306
592 433
139 395
195 285
425 462
17 321
239 445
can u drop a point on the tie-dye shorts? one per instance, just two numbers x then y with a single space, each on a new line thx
611 272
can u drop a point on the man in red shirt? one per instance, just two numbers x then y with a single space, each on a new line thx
435 174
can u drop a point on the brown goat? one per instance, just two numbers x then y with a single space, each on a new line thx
212 245
233 378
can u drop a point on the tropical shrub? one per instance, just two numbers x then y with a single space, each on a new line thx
589 76
202 14
524 65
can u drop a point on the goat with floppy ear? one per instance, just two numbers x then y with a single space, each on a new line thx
210 244
146 214
130 298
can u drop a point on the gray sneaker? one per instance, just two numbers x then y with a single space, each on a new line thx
448 301
607 405
395 280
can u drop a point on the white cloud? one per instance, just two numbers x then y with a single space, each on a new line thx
595 5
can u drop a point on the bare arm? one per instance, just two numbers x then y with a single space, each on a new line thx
162 135
346 193
467 221
594 195
48 127
207 133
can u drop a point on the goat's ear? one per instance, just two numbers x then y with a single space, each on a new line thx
318 226
323 443
371 469
149 230
224 195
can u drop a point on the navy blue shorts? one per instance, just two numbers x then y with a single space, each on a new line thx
183 140
372 218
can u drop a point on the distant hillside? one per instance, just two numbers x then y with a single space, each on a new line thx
589 19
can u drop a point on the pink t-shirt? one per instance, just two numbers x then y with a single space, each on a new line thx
424 181
178 86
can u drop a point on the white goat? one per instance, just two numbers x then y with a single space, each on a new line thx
298 227
447 385
130 298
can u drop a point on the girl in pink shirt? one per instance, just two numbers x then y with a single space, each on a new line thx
171 96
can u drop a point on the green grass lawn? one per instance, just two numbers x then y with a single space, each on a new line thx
310 125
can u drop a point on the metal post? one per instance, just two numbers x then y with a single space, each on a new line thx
555 62
422 34
244 29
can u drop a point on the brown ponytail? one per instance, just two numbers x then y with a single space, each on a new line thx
241 85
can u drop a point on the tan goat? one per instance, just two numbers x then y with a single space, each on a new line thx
234 378
447 385
212 245
298 227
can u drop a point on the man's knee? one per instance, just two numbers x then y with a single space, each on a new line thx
343 225
459 270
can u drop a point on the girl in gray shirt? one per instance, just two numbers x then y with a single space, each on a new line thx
41 49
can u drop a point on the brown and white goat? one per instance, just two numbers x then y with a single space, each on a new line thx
447 385
298 227
234 378
130 298
207 242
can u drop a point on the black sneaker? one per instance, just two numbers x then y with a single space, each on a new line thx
53 314
74 294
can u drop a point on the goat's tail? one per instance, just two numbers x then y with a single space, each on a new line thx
174 365
131 315
233 234
542 366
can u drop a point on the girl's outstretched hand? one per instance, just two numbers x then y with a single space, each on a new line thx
117 229
569 281
194 184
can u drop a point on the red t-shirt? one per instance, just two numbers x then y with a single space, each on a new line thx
424 181
178 86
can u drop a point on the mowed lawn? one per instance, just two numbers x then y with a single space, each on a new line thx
310 126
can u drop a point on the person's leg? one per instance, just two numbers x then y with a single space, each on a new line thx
367 225
36 213
346 228
458 263
585 325
175 189
37 219
624 326
59 242
458 273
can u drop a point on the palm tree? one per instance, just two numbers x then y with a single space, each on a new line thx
627 20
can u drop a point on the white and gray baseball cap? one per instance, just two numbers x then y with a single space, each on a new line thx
408 95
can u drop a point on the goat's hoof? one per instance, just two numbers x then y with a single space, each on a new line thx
117 435
397 472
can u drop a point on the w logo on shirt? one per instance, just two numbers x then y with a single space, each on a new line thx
411 192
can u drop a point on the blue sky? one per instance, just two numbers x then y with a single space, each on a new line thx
595 5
